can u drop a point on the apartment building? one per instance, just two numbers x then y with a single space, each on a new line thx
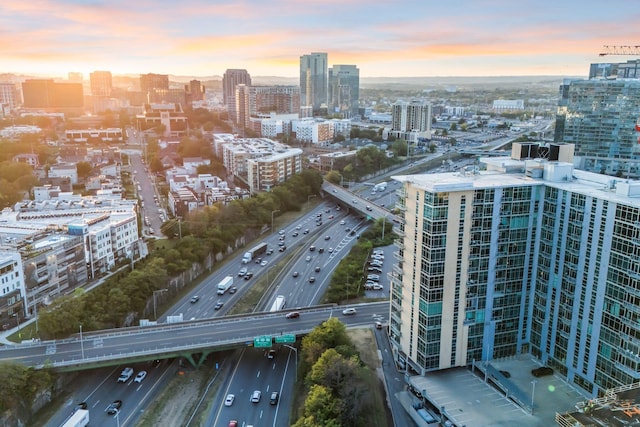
266 172
527 256
12 290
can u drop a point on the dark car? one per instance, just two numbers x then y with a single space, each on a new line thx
218 305
295 234
306 231
273 400
542 371
233 290
293 315
312 279
295 274
327 237
321 250
506 374
317 269
248 276
282 248
269 251
114 408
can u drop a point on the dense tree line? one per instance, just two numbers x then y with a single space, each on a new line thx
349 276
335 385
367 161
215 229
19 385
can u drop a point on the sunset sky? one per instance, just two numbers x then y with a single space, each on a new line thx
383 38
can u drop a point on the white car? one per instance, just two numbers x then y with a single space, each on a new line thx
308 258
377 287
342 222
298 227
229 400
255 396
263 263
349 311
141 375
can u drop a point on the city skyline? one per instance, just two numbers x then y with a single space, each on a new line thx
384 39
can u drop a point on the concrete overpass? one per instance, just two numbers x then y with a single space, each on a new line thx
193 340
357 203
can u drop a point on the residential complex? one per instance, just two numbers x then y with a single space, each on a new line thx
527 256
232 78
411 120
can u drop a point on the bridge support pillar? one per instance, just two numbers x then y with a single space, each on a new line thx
197 359
203 357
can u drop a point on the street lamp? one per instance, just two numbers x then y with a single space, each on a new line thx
533 393
155 316
296 351
81 342
273 212
309 197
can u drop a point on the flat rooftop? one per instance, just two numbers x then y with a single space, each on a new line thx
619 407
474 400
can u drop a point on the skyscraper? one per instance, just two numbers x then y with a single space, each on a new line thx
101 83
48 95
528 256
313 80
599 116
9 98
230 79
151 81
344 90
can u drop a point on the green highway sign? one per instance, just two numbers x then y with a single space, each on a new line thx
285 339
262 342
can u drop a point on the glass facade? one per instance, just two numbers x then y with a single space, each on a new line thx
599 117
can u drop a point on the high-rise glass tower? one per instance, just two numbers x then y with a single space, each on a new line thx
231 79
599 116
344 90
313 80
527 257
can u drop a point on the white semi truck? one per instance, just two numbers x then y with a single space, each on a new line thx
80 418
278 304
225 284
254 252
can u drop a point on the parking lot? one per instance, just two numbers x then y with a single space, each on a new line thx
474 400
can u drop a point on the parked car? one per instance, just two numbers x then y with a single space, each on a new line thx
542 371
377 287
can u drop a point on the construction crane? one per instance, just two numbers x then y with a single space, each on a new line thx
620 50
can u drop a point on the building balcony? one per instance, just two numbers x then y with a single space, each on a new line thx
397 255
397 269
398 230
631 372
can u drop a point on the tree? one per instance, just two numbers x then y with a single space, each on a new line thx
399 147
84 170
321 409
334 177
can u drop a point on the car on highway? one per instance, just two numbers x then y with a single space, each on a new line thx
141 376
271 354
295 274
282 248
194 299
306 231
342 222
242 271
281 244
308 258
281 232
327 237
295 234
275 396
264 262
317 269
293 315
269 251
233 290
229 399
321 250
330 250
312 248
114 407
542 371
255 396
312 279
258 260
125 375
248 276
218 305
233 423
298 227
349 311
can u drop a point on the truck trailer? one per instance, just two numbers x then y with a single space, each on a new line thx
80 418
225 284
278 304
254 252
